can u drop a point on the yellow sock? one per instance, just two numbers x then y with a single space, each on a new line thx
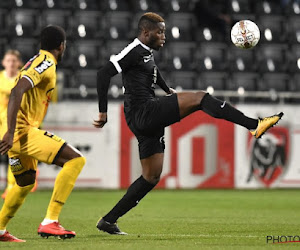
13 201
10 179
63 186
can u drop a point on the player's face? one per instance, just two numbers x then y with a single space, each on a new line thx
11 64
62 51
157 37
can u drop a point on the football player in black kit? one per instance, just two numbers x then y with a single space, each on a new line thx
147 115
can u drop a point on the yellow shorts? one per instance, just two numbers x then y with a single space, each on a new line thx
36 145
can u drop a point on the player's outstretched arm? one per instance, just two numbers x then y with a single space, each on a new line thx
14 103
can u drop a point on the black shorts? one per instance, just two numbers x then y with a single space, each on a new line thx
148 123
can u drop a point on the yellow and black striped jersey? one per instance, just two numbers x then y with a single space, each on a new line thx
40 71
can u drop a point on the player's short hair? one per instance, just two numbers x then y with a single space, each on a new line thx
52 36
14 52
149 21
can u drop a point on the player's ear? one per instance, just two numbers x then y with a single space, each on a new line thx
62 46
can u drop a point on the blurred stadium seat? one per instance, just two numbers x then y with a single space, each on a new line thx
117 5
62 18
180 56
268 7
117 25
27 46
273 58
88 54
216 80
178 5
86 78
294 29
247 81
273 81
180 27
273 29
89 5
87 24
241 6
58 4
24 23
212 57
183 80
242 60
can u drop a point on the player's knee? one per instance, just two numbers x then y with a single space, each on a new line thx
25 179
199 96
152 178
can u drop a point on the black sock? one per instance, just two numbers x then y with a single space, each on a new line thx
223 110
134 194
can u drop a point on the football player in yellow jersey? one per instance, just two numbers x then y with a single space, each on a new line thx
11 63
26 144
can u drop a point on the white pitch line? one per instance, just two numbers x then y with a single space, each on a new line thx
200 235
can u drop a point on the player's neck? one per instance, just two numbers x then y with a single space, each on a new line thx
10 74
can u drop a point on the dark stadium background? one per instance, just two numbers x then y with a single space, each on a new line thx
196 56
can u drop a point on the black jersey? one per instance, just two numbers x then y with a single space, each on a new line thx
139 73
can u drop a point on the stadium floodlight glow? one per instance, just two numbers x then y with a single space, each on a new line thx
268 34
270 65
235 6
175 5
177 62
207 34
241 90
210 90
208 63
240 64
267 7
175 32
81 30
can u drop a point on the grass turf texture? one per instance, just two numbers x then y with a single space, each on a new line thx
200 219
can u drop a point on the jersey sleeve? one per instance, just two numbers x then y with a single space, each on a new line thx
36 73
125 59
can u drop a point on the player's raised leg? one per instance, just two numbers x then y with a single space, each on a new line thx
190 102
72 163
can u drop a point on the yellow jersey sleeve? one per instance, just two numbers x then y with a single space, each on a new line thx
40 68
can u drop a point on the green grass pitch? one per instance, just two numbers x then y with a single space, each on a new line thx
198 219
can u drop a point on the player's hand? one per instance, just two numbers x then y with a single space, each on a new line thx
172 91
101 121
6 143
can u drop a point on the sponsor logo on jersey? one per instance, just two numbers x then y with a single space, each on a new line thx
43 66
147 58
15 165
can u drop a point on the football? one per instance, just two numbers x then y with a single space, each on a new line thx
245 34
